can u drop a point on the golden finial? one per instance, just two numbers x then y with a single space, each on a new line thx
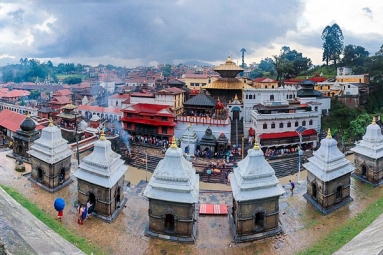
189 125
373 121
256 146
50 122
329 133
174 144
236 97
102 137
28 115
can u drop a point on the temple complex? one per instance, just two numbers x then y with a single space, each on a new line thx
100 179
24 138
328 177
173 192
51 160
368 156
256 192
208 143
68 119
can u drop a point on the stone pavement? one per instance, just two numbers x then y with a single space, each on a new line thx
22 233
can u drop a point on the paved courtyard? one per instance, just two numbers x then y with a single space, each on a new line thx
302 225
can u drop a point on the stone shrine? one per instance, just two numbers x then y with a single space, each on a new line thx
173 192
208 142
100 178
328 177
51 160
256 192
368 156
189 141
24 138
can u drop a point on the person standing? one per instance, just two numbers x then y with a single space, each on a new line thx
292 184
60 214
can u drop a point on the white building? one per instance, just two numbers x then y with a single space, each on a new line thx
275 123
117 100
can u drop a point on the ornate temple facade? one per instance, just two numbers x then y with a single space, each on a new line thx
368 156
50 160
256 192
173 192
328 177
100 179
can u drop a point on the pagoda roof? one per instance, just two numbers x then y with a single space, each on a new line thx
51 147
227 83
150 109
201 100
229 65
328 162
103 167
372 143
254 178
174 179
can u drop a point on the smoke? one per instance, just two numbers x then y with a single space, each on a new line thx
124 135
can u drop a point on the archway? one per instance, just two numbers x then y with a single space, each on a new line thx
62 175
169 223
259 221
118 197
364 171
314 190
40 174
338 194
236 110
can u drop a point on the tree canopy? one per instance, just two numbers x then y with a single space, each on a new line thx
333 44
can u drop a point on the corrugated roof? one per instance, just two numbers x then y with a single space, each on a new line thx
12 120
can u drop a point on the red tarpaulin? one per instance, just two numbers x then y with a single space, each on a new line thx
287 134
212 209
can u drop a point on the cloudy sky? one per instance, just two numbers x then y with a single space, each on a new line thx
141 32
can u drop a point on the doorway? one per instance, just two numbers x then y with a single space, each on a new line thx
236 110
169 223
338 194
62 175
314 190
40 174
259 221
364 171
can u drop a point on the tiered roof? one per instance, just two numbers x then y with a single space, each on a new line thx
372 143
174 179
103 166
328 162
254 178
51 147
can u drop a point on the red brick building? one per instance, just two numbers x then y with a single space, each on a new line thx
149 119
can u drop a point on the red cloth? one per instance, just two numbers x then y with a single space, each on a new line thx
60 214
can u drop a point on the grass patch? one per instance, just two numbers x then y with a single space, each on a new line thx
71 237
339 237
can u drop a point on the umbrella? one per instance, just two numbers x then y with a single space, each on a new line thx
59 204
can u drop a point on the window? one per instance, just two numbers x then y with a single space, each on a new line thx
197 84
288 124
151 117
265 126
304 123
116 103
247 96
310 122
129 126
141 117
203 84
296 123
348 86
250 96
281 125
192 84
272 125
164 130
129 115
271 97
164 118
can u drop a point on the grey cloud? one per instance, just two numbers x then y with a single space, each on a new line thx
162 30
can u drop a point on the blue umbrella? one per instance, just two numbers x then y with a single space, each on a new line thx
59 204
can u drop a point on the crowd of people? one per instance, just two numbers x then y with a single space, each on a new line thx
150 140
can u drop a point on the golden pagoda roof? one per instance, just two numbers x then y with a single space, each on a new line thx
227 83
229 66
69 107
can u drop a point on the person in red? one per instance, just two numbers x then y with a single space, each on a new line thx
60 214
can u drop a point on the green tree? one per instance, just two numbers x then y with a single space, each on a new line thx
290 63
354 56
167 70
256 73
357 127
267 65
333 43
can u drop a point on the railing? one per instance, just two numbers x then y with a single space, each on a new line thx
203 120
